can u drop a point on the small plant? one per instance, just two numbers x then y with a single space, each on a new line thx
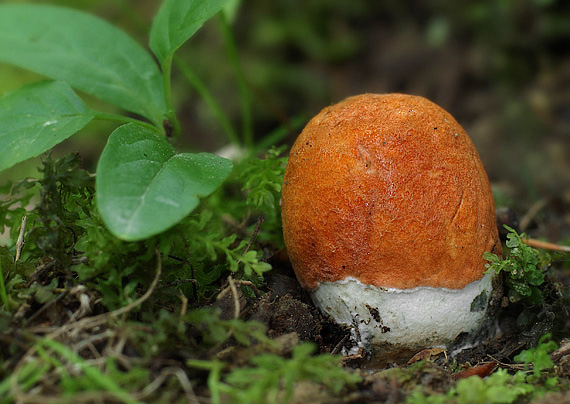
501 387
264 178
537 358
524 266
271 378
66 195
77 376
143 190
216 331
67 228
143 185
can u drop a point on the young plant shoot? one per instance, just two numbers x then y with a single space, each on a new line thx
144 186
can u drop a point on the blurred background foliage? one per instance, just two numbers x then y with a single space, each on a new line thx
501 67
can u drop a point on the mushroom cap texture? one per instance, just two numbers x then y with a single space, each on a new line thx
388 189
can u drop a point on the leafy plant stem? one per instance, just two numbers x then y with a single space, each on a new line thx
93 373
201 88
25 379
215 367
245 95
125 119
170 114
3 289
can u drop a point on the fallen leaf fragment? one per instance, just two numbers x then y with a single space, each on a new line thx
482 370
426 354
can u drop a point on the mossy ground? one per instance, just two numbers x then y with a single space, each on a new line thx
63 345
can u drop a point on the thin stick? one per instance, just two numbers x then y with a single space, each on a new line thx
163 376
339 346
184 307
237 306
250 284
20 242
545 245
253 236
515 366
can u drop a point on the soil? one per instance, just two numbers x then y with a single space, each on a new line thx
287 311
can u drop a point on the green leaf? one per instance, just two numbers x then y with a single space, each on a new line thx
144 187
490 257
521 288
535 278
539 356
37 117
177 21
88 53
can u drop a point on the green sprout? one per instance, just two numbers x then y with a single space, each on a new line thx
538 358
524 266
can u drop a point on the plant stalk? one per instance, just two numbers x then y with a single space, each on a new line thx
206 95
243 88
170 112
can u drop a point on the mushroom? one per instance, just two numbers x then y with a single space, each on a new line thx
387 211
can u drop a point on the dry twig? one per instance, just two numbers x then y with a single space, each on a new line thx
20 242
545 245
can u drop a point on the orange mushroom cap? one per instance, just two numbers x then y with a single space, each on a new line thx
387 189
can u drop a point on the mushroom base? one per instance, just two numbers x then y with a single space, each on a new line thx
408 318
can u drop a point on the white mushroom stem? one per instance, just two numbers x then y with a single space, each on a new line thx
414 318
